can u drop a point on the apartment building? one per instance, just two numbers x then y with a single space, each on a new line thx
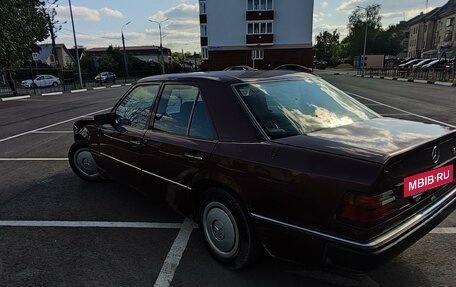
433 33
259 33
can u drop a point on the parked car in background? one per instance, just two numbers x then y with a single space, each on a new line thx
41 81
294 67
409 63
321 65
436 64
277 160
106 77
240 67
418 65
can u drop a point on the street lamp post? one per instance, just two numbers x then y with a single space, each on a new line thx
161 47
75 45
365 39
124 52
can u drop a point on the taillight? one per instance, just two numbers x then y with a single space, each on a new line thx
363 210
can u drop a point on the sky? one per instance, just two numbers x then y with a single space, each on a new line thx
98 23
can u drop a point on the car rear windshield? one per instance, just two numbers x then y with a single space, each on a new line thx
293 107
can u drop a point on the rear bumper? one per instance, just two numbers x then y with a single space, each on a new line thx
364 256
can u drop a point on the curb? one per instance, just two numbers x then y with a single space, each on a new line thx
78 91
446 84
15 98
52 94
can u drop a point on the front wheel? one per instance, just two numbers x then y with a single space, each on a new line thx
55 84
227 231
82 162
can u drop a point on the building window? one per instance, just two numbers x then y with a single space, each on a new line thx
202 8
449 22
258 54
204 53
203 29
259 5
259 28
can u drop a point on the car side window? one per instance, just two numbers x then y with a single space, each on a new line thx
174 108
134 110
201 126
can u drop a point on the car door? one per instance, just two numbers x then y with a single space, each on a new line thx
178 146
39 81
46 81
120 144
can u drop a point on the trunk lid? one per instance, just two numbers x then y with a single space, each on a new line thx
404 148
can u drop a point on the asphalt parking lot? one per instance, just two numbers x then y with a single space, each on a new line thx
56 230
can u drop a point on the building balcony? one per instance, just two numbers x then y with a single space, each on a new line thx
260 39
259 15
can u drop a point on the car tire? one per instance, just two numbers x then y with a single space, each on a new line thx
82 162
227 231
55 84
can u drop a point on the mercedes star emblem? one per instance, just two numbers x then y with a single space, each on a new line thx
435 154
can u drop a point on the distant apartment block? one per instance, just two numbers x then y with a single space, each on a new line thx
259 33
433 33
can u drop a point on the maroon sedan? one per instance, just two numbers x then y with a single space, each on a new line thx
275 161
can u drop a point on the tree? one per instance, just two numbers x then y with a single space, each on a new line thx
23 23
357 25
54 25
328 47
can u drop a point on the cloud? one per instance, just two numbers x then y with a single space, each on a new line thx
181 31
324 4
111 13
407 14
85 13
349 5
180 11
79 12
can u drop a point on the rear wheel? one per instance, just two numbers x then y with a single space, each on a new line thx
227 231
82 162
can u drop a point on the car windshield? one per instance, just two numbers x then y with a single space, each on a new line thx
294 107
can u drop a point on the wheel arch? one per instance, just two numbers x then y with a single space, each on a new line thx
202 187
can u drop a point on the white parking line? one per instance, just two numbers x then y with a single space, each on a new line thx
444 230
52 125
403 111
104 224
99 88
165 277
33 158
53 132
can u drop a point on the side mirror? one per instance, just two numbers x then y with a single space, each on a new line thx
103 119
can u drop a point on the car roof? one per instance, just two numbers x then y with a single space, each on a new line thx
235 76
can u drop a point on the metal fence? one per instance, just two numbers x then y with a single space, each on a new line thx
68 80
443 74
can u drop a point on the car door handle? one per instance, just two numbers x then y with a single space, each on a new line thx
135 143
193 156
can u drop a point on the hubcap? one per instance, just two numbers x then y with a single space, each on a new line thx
220 229
85 163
